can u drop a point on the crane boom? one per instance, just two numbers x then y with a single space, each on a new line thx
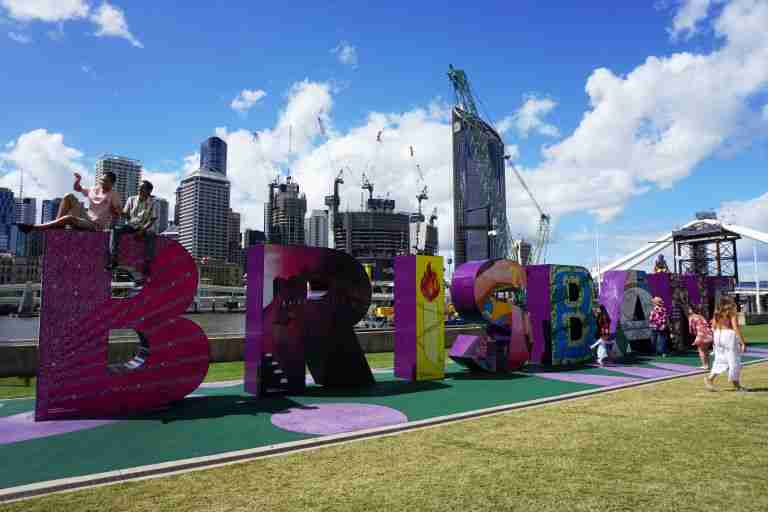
528 191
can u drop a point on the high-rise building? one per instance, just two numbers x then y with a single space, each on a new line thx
479 190
177 206
7 219
234 238
374 236
253 237
127 170
284 213
204 214
213 155
162 219
26 210
50 209
317 229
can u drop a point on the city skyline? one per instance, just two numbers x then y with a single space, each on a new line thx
620 123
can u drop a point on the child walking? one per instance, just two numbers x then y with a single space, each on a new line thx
699 327
604 344
727 349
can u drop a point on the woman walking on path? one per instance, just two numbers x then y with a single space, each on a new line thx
657 321
699 327
727 349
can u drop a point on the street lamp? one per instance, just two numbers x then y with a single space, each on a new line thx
488 227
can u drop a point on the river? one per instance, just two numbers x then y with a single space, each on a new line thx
214 324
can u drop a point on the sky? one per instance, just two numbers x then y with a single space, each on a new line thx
623 120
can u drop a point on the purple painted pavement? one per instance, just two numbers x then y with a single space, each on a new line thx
326 419
585 378
642 372
674 367
23 427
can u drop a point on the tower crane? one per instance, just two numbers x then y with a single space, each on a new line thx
539 250
367 185
433 217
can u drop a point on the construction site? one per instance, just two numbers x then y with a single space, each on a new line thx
377 232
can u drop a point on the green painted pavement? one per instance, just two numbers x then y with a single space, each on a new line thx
226 419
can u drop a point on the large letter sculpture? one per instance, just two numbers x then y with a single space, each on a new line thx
303 304
78 311
492 292
627 298
419 318
560 301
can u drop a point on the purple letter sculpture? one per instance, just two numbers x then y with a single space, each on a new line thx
78 312
627 298
560 301
492 292
303 304
419 318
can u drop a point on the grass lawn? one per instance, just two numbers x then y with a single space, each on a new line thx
668 446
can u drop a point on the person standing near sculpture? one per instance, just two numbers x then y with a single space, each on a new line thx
604 344
728 348
142 211
700 328
103 206
658 322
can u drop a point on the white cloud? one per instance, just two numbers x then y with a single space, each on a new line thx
752 213
346 53
46 161
529 118
45 10
654 125
247 99
20 38
686 20
111 22
109 19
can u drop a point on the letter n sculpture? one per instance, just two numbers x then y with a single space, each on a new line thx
78 312
419 318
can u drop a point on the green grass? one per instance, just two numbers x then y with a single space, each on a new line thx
755 332
15 387
669 446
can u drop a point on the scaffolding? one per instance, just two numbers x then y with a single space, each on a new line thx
706 249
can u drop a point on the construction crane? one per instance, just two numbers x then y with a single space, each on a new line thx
333 209
433 217
539 250
367 185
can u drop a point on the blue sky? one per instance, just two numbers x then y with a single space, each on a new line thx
677 122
